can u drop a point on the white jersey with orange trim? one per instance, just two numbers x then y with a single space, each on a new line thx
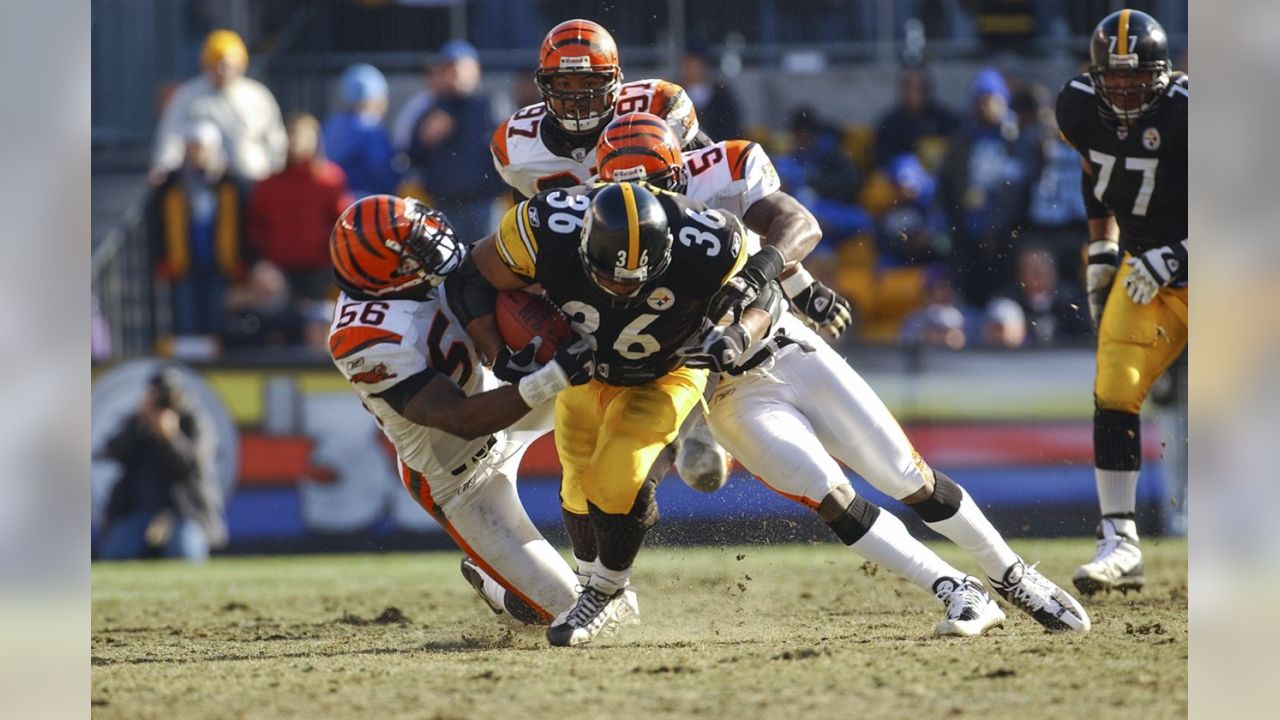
378 344
730 175
468 486
524 161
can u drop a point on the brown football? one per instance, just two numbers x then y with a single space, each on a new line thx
523 316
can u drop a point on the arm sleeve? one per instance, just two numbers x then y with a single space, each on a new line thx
753 170
1093 207
469 294
672 103
373 359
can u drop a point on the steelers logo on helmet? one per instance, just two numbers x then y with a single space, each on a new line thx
626 243
578 75
1129 65
641 146
384 245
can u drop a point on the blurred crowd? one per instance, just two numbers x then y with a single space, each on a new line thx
947 226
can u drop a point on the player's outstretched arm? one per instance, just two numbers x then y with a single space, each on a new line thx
784 224
435 400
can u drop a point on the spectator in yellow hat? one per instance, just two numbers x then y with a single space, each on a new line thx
242 109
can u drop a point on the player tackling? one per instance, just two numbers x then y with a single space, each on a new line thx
787 403
416 371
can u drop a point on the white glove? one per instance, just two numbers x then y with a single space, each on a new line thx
1153 270
1103 255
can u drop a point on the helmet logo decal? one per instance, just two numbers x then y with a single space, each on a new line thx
1151 139
629 174
575 62
661 298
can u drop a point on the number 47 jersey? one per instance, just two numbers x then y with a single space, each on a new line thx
1136 173
539 239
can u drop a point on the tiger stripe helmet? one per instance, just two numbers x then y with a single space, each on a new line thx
579 49
383 245
641 146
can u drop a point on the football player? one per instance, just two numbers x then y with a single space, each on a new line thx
637 271
1127 117
736 176
788 401
552 144
416 370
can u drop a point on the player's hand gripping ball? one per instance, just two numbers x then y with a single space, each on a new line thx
523 316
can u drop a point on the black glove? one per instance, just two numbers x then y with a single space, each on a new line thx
824 306
577 360
742 288
514 366
719 350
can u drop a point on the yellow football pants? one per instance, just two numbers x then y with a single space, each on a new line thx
1137 343
608 437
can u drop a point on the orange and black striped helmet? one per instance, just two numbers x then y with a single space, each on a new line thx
384 244
578 75
641 146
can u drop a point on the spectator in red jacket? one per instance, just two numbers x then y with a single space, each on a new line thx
292 212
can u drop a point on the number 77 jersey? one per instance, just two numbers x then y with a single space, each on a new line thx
1136 173
539 240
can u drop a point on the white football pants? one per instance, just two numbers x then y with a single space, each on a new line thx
482 513
785 419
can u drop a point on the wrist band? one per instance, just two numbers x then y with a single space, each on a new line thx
542 385
797 283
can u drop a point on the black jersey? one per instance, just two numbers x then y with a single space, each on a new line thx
539 238
1139 173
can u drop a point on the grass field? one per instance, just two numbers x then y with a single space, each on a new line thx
730 632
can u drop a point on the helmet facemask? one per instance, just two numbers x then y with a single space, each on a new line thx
1124 95
585 108
432 250
619 286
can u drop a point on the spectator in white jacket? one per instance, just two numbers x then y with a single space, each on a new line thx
243 109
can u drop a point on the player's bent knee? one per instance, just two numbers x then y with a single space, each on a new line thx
943 503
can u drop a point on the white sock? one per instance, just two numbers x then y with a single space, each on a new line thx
585 568
888 543
1117 490
1124 526
610 581
973 532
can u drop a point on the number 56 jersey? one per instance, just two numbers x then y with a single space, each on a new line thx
539 240
379 345
1136 173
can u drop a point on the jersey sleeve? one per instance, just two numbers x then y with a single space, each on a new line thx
751 169
498 146
516 243
672 103
1075 98
735 242
374 359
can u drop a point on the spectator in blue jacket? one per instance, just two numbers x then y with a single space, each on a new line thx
449 149
354 137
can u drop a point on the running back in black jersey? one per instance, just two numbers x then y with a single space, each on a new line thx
1138 173
539 239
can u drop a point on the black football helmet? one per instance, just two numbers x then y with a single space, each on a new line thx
1129 64
626 242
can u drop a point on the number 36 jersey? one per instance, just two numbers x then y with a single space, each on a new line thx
1138 173
539 238
380 344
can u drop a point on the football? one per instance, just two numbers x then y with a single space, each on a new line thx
523 316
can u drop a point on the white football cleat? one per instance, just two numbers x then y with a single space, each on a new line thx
702 464
597 613
512 610
971 611
1117 565
1031 592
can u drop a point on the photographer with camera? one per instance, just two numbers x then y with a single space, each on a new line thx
163 505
